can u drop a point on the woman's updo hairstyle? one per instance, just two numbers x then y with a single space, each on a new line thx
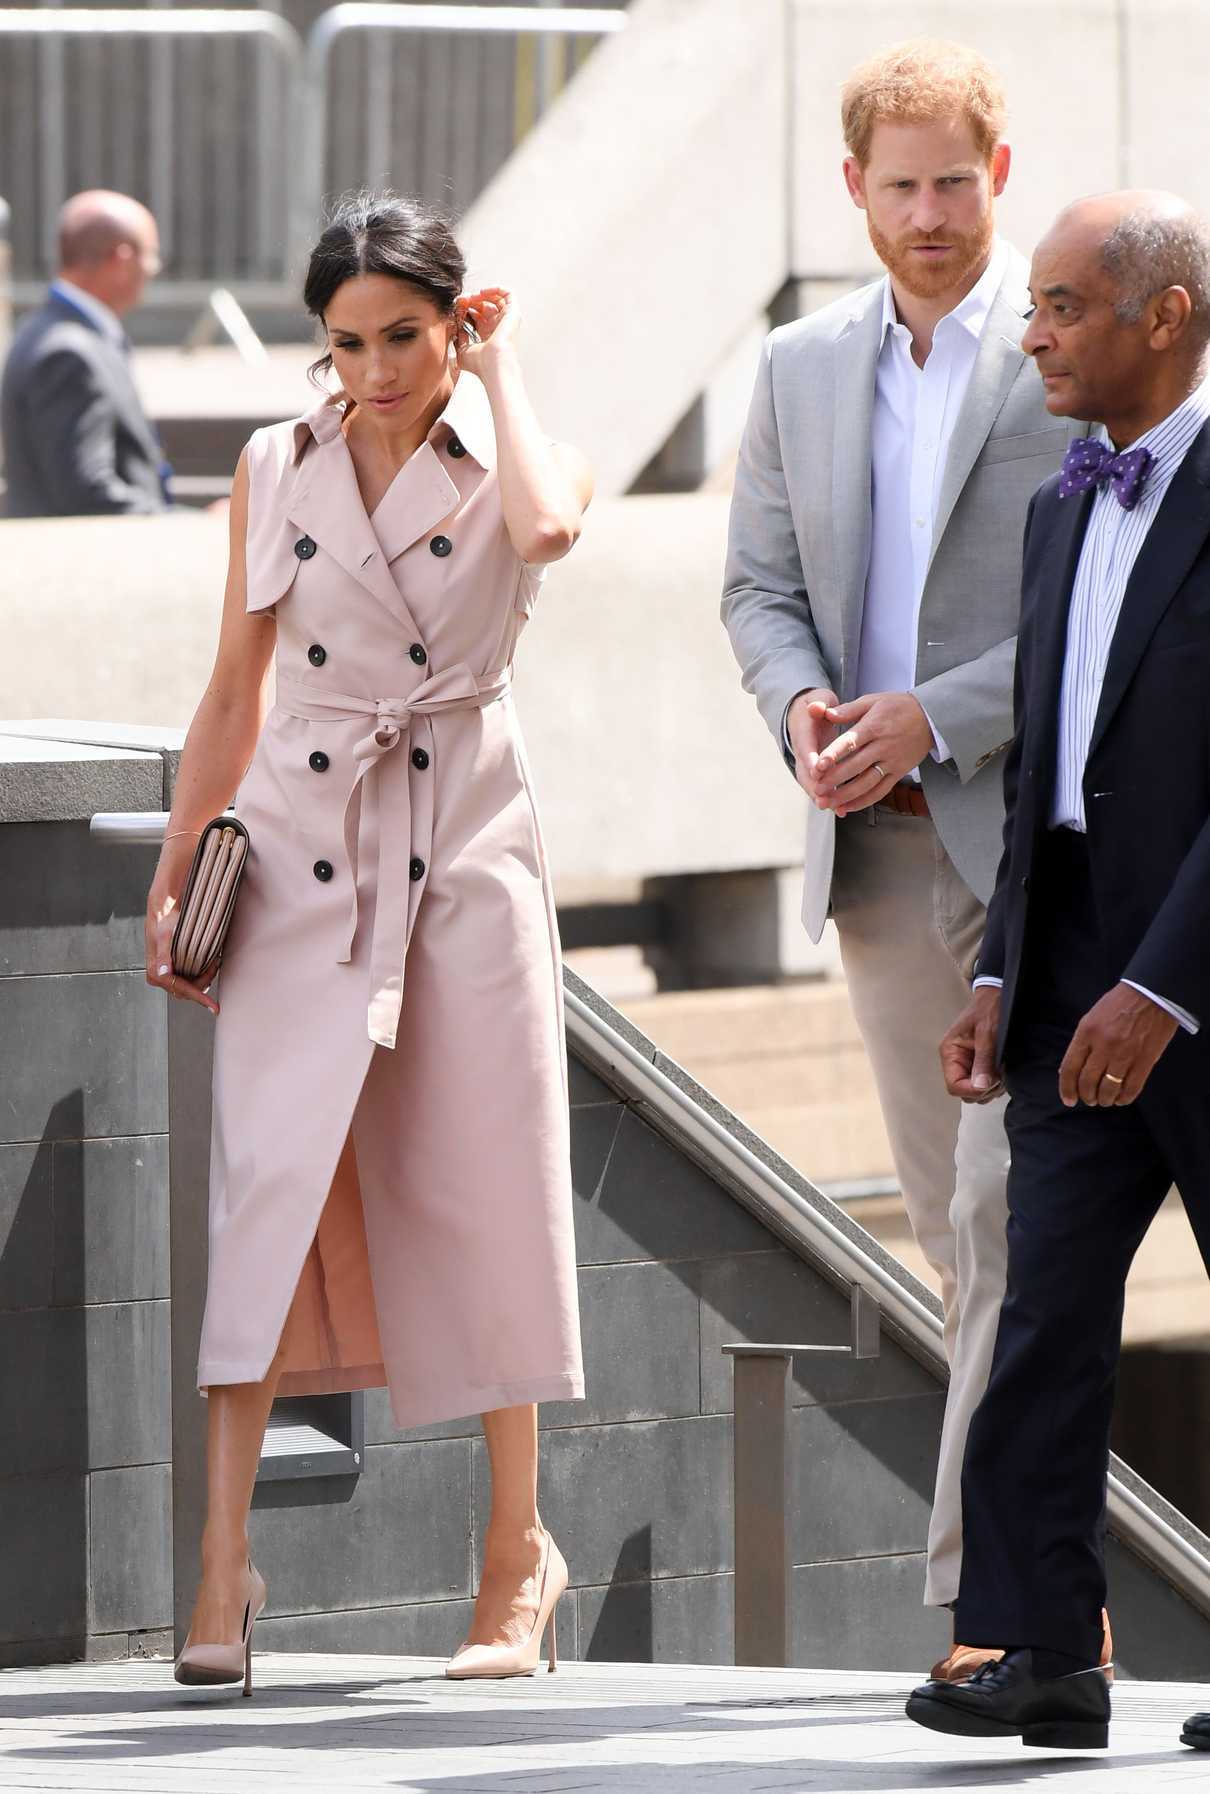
383 233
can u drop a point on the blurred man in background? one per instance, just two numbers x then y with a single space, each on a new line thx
76 439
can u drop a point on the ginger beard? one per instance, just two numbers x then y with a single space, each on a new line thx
926 277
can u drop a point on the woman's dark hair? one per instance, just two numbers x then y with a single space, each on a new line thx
383 233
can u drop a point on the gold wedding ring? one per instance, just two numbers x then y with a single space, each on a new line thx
1110 1079
879 771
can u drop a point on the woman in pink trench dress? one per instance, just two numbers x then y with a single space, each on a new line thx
390 1186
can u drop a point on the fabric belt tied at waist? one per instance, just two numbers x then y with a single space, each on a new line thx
405 829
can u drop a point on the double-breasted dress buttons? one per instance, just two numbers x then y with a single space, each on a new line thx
420 759
417 654
416 870
319 761
455 448
441 546
322 870
316 655
304 548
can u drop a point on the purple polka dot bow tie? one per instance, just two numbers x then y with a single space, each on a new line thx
1090 463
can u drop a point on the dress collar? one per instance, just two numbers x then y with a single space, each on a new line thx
467 416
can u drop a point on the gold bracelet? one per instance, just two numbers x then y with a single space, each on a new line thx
181 831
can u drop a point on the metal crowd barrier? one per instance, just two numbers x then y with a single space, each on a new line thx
494 70
188 108
236 136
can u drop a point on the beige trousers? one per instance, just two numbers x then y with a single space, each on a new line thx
909 932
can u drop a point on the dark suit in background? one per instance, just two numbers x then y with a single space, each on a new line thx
1075 912
76 439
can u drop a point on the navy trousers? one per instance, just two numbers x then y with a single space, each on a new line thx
1084 1186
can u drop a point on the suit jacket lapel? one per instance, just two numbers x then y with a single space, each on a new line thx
998 360
1067 540
854 366
1176 537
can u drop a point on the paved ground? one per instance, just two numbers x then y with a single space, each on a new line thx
320 1724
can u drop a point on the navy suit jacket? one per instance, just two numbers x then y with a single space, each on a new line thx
76 439
1147 782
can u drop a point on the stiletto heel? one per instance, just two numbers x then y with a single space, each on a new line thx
552 1649
224 1665
473 1661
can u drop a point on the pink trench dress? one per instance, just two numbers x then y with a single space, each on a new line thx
390 1178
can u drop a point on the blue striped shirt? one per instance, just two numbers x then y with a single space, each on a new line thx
1111 546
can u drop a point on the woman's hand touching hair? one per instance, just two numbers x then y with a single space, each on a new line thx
495 321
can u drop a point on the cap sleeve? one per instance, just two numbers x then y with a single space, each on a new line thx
271 563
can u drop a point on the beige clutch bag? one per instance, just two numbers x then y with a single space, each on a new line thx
208 900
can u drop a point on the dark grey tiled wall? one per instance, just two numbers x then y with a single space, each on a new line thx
636 1480
84 1435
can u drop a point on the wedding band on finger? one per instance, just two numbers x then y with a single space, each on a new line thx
878 769
1110 1079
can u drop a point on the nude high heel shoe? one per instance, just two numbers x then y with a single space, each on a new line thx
224 1665
471 1661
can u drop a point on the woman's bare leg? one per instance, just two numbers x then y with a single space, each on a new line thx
235 1429
508 1594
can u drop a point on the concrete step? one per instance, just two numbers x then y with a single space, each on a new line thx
789 1060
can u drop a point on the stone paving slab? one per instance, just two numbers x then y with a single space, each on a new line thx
324 1723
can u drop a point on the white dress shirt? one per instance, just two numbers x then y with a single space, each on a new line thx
915 410
1110 548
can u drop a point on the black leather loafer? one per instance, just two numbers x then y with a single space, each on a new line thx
1006 1700
1196 1732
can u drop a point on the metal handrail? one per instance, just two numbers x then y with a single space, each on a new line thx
91 21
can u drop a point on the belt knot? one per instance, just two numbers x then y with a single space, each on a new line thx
405 838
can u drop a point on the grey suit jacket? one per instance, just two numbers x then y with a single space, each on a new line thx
76 440
799 547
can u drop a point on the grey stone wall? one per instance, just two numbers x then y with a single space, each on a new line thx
83 1217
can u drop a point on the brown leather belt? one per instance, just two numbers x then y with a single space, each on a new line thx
906 799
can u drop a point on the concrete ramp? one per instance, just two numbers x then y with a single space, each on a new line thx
644 222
